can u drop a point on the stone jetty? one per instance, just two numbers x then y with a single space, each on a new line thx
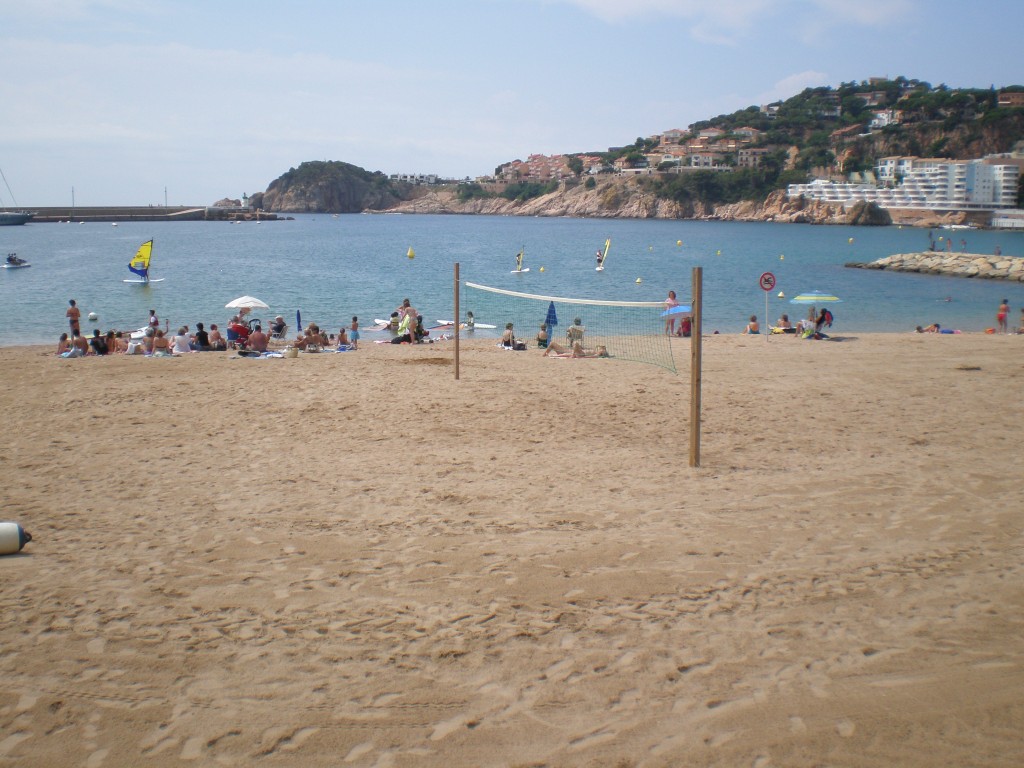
952 264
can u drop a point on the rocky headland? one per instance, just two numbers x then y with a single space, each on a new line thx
952 264
628 198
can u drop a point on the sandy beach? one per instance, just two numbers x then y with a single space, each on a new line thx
354 559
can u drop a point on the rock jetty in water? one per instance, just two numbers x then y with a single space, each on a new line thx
952 264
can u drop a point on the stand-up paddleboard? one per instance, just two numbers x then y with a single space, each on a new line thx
520 271
604 256
139 265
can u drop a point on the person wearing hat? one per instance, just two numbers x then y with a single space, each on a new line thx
574 333
277 327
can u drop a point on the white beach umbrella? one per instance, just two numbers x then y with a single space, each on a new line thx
247 302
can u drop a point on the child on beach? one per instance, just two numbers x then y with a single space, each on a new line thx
1001 315
353 333
542 337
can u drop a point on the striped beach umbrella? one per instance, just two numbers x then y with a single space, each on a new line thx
814 297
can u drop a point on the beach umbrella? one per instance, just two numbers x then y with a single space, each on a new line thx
677 309
298 319
814 297
247 302
552 319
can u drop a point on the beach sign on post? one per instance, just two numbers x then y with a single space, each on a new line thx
767 283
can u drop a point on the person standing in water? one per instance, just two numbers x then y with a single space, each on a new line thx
74 314
1001 316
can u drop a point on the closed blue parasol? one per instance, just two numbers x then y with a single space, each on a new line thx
298 319
552 319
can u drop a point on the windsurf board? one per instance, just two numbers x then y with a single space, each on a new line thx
449 323
520 271
145 282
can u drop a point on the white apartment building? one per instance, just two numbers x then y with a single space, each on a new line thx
925 184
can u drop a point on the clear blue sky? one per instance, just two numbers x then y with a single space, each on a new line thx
122 99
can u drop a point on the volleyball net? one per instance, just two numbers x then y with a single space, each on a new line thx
628 330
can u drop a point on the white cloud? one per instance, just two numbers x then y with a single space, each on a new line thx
792 85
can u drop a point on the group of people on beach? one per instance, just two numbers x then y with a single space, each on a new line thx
1002 322
573 347
246 337
406 325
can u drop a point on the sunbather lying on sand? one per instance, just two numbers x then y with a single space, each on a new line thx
559 350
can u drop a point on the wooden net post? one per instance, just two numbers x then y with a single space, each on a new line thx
695 370
457 321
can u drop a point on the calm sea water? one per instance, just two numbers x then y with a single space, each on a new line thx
332 268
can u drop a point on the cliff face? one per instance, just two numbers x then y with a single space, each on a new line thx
625 198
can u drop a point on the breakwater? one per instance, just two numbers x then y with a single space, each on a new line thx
951 264
117 214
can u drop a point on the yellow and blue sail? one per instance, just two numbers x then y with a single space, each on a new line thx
140 264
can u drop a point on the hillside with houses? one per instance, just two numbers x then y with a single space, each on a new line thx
811 157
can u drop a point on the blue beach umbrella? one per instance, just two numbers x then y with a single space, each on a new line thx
298 319
676 310
552 319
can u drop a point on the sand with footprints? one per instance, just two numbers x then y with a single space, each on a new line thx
354 559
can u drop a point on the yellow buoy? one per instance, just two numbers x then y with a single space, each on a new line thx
718 252
679 242
782 257
638 281
542 269
411 254
782 295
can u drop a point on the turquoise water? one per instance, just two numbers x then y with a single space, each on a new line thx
333 268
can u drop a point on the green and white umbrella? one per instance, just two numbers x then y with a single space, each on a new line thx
814 297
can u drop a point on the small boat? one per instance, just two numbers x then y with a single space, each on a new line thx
13 262
14 218
140 265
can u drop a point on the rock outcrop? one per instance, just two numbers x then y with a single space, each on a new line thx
952 264
328 187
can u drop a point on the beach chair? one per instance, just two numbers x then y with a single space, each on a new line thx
574 333
279 338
